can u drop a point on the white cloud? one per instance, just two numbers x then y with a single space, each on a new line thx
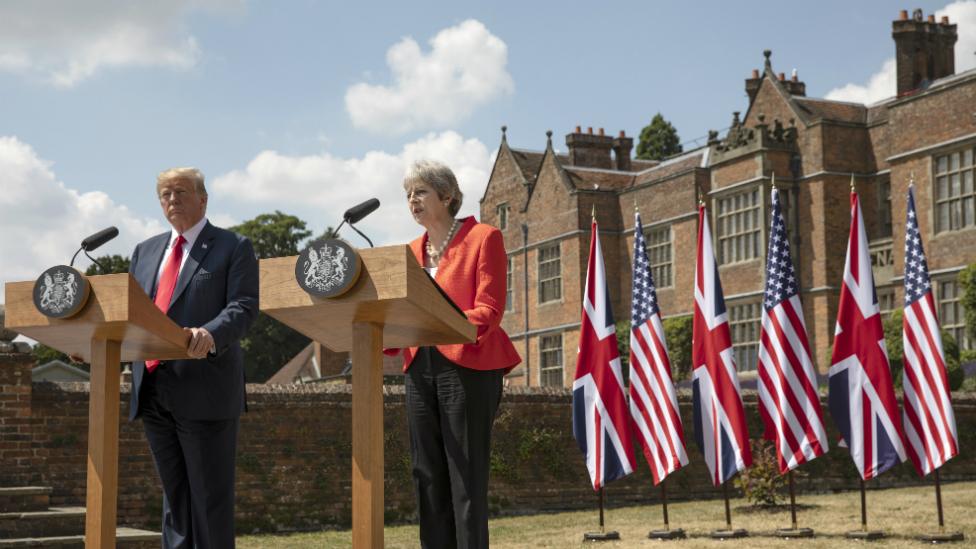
321 187
43 221
882 84
465 68
65 41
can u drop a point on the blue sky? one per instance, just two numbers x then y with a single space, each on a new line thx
310 107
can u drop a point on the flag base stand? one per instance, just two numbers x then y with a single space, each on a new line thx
944 537
677 533
865 535
602 536
729 534
792 533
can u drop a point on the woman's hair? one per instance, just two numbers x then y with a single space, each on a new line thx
440 178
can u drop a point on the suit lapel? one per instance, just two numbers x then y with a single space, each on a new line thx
199 251
146 276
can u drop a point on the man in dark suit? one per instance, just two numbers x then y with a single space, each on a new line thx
206 280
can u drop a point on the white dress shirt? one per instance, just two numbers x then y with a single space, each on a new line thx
190 235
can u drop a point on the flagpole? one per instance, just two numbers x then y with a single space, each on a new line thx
942 536
728 533
667 533
792 499
602 535
794 531
664 504
864 533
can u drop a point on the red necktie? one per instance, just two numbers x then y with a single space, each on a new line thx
167 283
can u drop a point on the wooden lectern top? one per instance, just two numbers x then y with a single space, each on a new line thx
117 310
392 291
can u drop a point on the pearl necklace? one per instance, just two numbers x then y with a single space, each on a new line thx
435 253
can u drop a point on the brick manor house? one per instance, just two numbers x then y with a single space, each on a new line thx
541 200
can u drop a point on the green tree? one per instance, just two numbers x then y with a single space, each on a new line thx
43 354
658 140
677 332
111 264
269 344
967 279
896 352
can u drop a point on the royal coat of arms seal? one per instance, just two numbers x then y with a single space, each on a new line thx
328 268
60 292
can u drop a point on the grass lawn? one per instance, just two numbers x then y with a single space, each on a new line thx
902 513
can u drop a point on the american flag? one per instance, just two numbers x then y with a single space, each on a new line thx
720 422
862 397
601 424
930 426
653 403
788 400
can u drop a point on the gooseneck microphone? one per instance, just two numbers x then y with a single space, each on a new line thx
101 237
359 211
93 241
356 214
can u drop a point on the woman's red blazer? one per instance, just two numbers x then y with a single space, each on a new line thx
472 272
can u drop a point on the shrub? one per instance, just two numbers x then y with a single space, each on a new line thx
967 279
761 484
677 332
896 352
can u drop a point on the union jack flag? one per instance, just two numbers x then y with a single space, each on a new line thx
653 403
930 425
601 424
862 397
720 422
788 400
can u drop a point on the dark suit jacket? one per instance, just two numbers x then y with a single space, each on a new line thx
217 290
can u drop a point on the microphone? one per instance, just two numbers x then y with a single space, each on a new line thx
101 237
359 211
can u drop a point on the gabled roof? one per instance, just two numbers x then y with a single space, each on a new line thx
598 179
825 109
528 162
692 159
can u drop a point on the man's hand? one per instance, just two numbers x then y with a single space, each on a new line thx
201 342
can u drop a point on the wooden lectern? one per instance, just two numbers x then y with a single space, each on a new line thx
118 323
394 304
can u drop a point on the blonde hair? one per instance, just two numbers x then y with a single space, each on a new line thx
440 178
189 174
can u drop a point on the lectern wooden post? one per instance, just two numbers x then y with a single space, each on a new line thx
394 304
119 323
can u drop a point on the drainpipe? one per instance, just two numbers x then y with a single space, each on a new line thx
525 307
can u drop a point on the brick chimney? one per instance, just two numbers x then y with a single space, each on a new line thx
621 151
924 50
589 150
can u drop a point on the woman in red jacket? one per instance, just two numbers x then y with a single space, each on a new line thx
453 391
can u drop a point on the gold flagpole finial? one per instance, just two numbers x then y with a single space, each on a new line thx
911 178
593 212
701 199
852 182
636 209
774 180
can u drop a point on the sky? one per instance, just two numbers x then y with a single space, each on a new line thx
310 107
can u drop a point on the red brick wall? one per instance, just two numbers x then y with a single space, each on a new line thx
294 457
15 425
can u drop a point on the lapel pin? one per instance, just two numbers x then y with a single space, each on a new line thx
204 245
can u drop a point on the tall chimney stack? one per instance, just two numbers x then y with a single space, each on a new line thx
924 50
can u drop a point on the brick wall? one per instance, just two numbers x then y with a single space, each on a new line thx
294 457
15 422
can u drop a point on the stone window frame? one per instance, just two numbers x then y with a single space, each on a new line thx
551 370
745 350
550 287
888 302
509 287
756 231
884 208
951 168
655 252
502 210
948 299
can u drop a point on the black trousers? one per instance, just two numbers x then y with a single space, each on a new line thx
450 411
195 462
